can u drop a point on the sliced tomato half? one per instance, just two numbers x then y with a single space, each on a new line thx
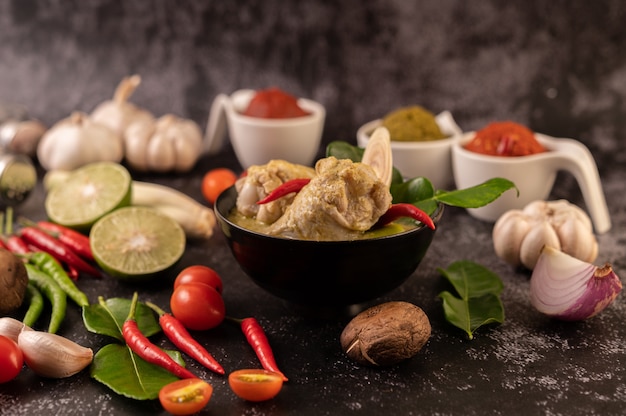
255 385
185 397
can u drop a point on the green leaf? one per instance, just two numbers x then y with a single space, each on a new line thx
476 196
344 150
477 298
108 319
120 369
471 279
470 314
413 190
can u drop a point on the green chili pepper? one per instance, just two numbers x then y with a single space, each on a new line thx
49 265
53 292
35 305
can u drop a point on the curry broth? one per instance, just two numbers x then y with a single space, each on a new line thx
399 226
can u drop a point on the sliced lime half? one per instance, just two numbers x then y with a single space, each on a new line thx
88 193
136 242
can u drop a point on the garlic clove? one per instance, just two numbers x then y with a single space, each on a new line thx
11 328
576 240
53 356
136 142
541 233
567 288
508 233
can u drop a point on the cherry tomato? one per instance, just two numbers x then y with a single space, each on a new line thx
255 385
215 182
185 397
199 274
197 306
11 359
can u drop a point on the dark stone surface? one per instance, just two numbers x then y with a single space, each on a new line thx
557 66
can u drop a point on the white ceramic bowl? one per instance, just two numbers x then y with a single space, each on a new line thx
429 159
257 140
533 175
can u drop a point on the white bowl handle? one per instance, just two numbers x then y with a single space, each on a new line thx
575 157
216 125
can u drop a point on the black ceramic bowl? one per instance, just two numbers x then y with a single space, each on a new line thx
324 273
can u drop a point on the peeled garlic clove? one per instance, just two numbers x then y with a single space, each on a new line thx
570 289
53 356
11 328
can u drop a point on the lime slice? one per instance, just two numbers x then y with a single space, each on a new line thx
136 242
89 193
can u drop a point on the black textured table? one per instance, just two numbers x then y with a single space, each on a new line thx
530 364
558 67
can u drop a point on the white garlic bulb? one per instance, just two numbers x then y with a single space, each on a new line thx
170 143
519 235
76 141
119 113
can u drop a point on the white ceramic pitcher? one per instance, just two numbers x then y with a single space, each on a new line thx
534 176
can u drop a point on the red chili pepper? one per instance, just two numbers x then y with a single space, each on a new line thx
294 185
78 242
58 249
178 334
258 341
396 211
3 245
72 272
142 346
16 245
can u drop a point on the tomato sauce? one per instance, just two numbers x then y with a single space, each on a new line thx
274 103
505 138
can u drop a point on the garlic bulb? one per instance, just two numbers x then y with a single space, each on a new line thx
77 141
169 144
53 356
21 136
570 289
519 235
118 113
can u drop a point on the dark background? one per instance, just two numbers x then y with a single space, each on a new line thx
557 66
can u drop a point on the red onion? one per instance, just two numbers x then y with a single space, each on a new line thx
570 289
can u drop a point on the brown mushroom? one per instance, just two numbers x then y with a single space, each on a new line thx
13 281
386 334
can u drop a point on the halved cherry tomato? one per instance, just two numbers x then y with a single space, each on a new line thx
185 397
11 359
255 385
215 182
198 306
199 274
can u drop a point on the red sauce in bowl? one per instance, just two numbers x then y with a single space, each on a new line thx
274 103
505 138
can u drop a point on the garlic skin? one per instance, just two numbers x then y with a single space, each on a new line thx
569 289
519 235
77 141
53 356
170 143
11 328
117 114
